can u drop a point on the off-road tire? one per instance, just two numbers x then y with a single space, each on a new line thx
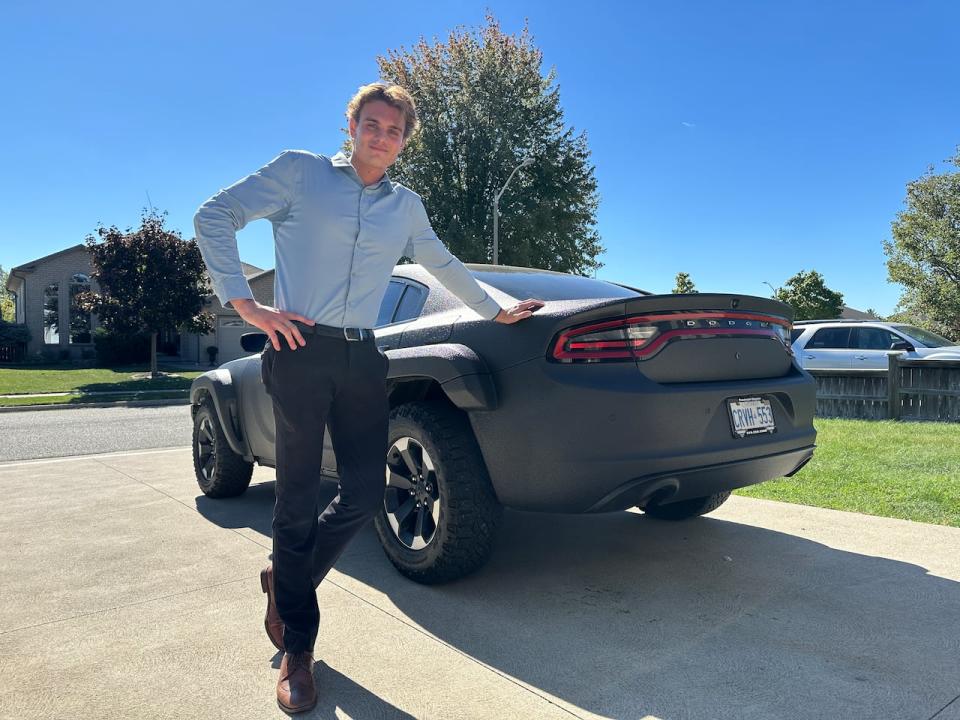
469 510
687 508
229 474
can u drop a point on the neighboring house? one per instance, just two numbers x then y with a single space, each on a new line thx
849 313
44 290
229 326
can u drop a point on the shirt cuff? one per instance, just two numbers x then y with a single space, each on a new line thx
232 288
488 309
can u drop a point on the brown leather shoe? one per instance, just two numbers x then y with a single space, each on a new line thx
271 621
296 689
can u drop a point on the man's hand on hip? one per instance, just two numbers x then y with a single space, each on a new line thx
519 311
272 321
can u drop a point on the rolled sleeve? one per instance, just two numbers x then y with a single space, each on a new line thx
267 193
427 249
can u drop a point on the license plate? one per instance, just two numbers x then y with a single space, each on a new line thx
751 416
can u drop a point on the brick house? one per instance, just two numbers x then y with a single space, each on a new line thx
44 290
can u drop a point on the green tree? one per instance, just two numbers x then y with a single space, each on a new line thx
810 298
924 253
150 280
683 284
484 106
7 308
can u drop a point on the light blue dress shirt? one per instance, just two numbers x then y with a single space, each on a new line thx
336 241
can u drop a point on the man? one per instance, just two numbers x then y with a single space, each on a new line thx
340 224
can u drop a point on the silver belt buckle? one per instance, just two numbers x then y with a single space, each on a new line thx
354 334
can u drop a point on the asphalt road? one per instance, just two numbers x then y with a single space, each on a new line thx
60 433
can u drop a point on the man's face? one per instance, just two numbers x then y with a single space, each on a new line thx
377 135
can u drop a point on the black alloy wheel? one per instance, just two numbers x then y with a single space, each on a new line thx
220 472
412 498
440 512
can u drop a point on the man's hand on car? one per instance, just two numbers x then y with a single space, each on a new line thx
272 321
519 311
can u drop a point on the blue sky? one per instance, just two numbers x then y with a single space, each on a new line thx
740 142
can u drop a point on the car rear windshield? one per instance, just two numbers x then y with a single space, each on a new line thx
929 339
545 286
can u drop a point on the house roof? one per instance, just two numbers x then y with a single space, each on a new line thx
260 274
30 266
250 270
849 313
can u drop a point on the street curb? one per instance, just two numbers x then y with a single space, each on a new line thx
116 403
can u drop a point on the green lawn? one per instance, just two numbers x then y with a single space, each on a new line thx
895 469
67 378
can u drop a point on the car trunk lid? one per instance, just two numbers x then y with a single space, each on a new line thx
697 337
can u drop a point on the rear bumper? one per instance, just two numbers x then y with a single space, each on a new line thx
590 438
703 481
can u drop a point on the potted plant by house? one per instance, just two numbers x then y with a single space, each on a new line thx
212 351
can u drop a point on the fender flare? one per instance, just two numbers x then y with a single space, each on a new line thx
462 374
219 385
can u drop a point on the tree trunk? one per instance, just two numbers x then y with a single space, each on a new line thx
153 355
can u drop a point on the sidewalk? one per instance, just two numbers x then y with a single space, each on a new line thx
127 593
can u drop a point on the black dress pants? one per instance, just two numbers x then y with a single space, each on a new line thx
341 384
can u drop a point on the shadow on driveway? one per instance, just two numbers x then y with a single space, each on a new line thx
624 615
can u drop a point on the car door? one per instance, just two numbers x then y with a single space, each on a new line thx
871 347
828 349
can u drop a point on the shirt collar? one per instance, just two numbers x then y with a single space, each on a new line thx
342 160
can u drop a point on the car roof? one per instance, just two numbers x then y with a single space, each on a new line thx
844 321
414 271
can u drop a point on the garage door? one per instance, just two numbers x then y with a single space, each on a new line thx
229 331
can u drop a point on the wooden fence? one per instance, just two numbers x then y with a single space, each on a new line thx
12 352
906 390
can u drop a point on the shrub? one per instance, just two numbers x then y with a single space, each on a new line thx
116 349
13 333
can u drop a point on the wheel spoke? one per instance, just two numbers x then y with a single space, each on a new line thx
208 465
403 512
396 480
418 528
413 465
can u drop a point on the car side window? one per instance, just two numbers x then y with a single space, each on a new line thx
389 304
874 339
830 338
410 304
795 333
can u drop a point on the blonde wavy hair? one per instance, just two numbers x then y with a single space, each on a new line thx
393 95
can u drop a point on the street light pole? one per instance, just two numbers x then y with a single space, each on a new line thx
496 207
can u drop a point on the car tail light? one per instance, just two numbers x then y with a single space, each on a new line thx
642 337
611 340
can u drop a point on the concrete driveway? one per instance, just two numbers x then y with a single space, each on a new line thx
126 593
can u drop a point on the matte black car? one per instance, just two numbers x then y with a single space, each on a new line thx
607 398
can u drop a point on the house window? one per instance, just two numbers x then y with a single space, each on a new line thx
79 318
51 314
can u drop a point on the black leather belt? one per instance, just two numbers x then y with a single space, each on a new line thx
352 334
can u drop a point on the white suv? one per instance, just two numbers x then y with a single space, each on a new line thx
864 344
